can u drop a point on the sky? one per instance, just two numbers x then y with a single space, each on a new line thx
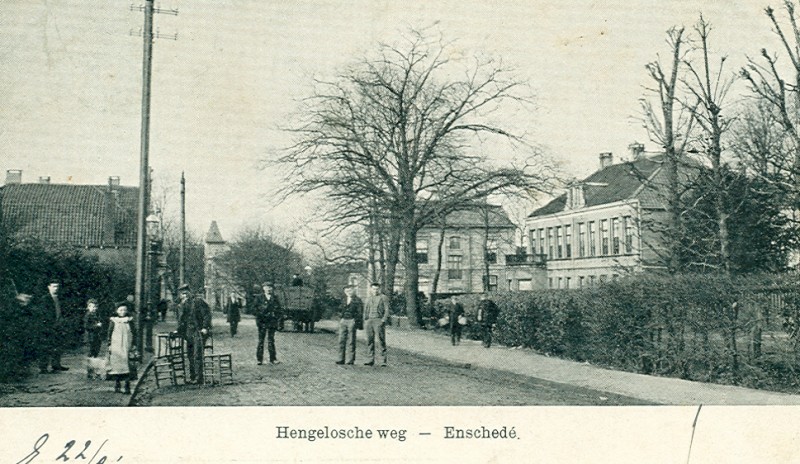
71 77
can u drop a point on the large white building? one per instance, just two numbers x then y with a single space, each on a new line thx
472 239
604 226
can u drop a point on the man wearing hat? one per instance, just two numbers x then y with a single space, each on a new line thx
52 328
268 314
194 325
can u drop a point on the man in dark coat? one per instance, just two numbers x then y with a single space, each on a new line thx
456 310
351 317
233 313
268 314
487 317
51 320
194 326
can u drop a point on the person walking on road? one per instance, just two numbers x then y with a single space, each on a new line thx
376 313
456 312
194 326
268 317
233 314
487 317
352 315
52 329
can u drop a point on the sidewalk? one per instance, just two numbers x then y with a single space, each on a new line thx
662 390
71 388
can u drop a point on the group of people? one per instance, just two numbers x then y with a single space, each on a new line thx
486 317
373 314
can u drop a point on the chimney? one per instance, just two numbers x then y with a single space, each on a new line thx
606 159
636 150
113 182
13 176
44 179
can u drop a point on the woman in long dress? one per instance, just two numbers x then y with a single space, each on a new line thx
121 335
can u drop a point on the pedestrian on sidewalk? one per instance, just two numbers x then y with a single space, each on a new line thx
92 327
376 313
194 326
233 313
122 355
487 317
51 319
162 308
351 319
268 313
456 311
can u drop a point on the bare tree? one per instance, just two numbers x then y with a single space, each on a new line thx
708 89
398 125
670 125
779 95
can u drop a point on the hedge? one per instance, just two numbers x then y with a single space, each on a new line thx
740 330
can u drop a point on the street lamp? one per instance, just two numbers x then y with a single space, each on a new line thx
153 226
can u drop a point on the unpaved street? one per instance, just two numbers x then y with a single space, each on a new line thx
308 376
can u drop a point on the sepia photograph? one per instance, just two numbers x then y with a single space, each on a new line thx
336 211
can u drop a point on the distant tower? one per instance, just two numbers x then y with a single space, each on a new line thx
214 283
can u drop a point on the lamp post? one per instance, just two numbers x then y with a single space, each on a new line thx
153 287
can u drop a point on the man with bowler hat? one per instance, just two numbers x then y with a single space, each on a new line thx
51 320
268 314
194 326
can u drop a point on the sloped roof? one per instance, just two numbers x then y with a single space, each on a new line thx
213 235
617 182
477 215
78 215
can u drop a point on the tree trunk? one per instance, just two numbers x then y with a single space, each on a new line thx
435 285
412 270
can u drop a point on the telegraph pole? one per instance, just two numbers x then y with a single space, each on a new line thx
144 168
182 261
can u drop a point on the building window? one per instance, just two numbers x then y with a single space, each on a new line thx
560 242
560 282
422 251
567 281
581 239
541 241
628 235
581 282
550 243
491 251
592 239
604 237
603 278
455 243
616 235
533 241
492 283
550 282
568 241
454 268
591 280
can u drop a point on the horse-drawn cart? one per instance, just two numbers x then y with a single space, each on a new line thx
300 307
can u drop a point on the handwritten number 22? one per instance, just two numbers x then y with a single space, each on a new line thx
68 446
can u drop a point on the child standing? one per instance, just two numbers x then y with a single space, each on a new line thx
121 354
92 326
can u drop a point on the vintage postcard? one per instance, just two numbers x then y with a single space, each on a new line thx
380 231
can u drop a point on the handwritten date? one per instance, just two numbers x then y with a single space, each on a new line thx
70 452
